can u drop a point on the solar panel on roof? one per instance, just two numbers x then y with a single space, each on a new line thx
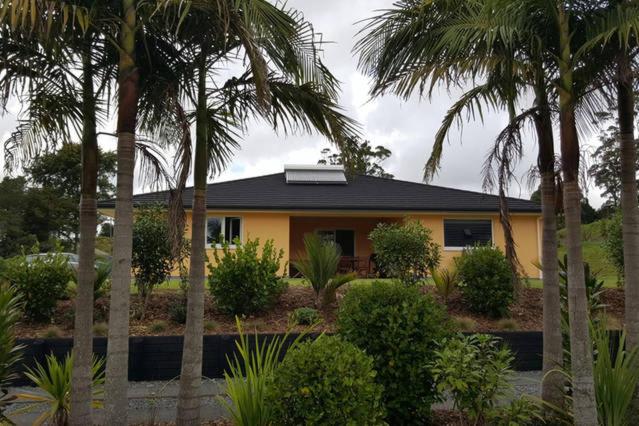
320 175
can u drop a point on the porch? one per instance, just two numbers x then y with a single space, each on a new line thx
350 233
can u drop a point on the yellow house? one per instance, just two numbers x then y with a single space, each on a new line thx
302 199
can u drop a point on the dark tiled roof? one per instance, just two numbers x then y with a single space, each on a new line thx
271 192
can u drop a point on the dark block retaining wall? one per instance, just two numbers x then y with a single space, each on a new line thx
159 357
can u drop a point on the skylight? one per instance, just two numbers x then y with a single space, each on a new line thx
317 174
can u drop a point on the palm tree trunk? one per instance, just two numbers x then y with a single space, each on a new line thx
116 398
630 210
584 403
188 410
552 390
82 334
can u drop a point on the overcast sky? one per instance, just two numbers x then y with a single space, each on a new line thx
407 128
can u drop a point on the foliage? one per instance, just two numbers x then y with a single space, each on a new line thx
26 216
445 280
250 374
40 282
305 316
54 383
358 158
616 377
606 164
152 259
522 411
486 280
613 242
474 370
594 289
10 353
177 311
243 282
60 173
399 327
326 382
158 326
102 278
319 266
405 251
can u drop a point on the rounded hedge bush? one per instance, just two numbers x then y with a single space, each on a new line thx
486 280
245 280
40 282
399 327
326 382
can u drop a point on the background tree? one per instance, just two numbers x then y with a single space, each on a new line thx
60 173
358 158
606 166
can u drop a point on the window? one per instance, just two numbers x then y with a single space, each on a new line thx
220 229
343 238
463 233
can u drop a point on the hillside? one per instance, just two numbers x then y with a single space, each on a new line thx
594 251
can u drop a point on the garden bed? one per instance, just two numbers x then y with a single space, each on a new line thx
525 315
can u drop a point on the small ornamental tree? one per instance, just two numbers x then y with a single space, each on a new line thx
613 243
152 259
405 251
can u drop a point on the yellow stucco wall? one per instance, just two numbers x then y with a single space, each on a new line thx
525 234
262 225
277 226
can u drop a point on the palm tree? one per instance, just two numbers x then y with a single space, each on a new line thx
51 64
42 54
456 42
294 92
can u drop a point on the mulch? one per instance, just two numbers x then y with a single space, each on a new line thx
525 315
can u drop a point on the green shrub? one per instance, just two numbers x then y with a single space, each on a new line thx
404 251
464 323
177 311
210 326
326 382
305 316
52 332
158 326
40 283
319 266
399 327
243 282
101 329
474 370
486 280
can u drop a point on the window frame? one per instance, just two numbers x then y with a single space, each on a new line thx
474 219
223 230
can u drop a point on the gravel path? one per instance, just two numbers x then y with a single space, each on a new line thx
153 402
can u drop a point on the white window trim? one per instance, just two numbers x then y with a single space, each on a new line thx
453 248
223 225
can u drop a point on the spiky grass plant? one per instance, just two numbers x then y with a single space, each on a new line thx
10 353
53 381
616 377
250 373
